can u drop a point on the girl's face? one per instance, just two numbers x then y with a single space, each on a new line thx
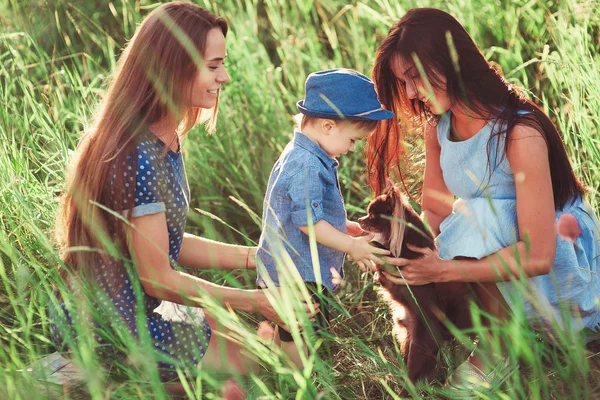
437 101
208 81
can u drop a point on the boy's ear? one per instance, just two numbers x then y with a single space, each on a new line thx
328 125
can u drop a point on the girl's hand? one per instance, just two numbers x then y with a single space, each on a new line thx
417 272
363 253
354 229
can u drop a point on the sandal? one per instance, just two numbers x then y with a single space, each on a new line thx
468 377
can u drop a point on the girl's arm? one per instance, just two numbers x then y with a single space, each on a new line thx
356 247
198 252
437 198
534 253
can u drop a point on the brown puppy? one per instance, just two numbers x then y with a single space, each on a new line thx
419 324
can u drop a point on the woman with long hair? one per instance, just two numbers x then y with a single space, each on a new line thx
503 159
123 213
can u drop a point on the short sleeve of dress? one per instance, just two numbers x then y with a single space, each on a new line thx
140 186
148 197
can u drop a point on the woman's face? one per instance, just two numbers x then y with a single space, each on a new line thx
437 101
206 86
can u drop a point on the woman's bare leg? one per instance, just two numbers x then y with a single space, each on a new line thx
492 300
493 303
225 355
231 390
175 390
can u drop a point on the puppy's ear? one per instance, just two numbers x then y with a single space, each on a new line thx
398 223
389 186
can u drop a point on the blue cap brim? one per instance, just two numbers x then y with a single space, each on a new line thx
375 116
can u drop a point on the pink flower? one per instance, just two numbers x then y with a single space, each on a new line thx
567 227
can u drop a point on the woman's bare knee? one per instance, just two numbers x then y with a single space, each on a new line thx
492 300
224 355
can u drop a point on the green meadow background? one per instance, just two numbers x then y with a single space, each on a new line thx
55 57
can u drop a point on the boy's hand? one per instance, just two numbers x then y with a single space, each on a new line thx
354 229
362 252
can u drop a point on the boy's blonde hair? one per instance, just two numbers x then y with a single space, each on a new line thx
303 120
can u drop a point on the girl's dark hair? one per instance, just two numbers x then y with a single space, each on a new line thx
431 36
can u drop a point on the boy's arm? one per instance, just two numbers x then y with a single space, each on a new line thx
306 190
354 229
328 236
356 247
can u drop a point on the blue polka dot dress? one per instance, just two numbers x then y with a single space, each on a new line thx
178 334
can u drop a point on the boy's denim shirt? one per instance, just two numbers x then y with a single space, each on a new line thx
303 180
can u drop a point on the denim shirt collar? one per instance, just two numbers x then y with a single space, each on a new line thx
300 139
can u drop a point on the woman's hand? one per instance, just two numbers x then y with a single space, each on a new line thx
417 272
354 229
268 311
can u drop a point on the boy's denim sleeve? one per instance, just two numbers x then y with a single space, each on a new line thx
306 190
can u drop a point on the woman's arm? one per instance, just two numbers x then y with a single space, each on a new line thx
437 198
149 245
534 253
198 252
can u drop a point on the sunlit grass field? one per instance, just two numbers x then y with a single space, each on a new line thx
55 57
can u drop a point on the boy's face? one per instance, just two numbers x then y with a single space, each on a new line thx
339 137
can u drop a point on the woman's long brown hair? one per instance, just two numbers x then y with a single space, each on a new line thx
153 79
430 35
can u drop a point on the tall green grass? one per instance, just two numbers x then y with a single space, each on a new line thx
54 59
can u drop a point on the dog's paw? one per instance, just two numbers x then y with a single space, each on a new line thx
377 277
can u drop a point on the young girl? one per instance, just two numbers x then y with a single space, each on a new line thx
504 160
130 166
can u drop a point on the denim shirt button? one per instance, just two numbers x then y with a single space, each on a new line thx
315 204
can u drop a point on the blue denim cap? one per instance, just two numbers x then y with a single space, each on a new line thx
341 94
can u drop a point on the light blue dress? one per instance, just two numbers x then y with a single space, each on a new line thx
484 220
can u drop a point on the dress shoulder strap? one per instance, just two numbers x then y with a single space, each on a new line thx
443 127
